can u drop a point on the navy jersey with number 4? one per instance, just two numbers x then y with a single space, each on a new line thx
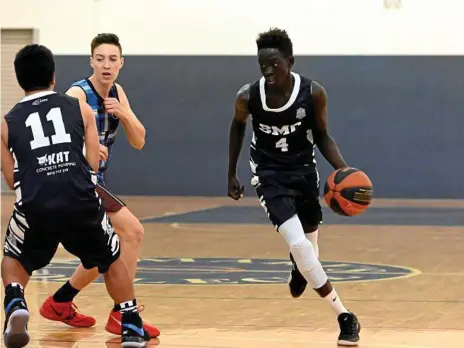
282 137
46 138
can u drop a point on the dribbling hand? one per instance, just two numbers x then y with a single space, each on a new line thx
235 191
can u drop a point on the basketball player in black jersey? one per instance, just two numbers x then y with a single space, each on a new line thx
44 138
289 119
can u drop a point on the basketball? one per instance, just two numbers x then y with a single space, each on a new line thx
348 191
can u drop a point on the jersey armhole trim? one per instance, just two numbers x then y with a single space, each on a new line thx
83 90
116 91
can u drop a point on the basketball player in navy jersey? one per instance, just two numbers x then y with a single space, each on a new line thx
111 108
289 119
44 138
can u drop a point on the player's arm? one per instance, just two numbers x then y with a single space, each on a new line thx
77 92
326 144
134 128
92 143
236 136
7 158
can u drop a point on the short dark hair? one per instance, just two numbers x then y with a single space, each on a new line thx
105 38
34 67
275 38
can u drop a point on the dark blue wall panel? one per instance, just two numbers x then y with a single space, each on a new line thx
398 118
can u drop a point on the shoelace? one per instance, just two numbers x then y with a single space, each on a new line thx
354 326
74 311
350 326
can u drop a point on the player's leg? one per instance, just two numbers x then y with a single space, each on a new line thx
312 233
96 245
308 200
311 184
15 332
25 250
308 218
130 232
311 269
279 202
296 282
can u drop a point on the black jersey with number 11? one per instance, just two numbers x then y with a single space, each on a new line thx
46 138
282 138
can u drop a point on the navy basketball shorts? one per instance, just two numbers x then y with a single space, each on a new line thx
111 202
284 194
33 239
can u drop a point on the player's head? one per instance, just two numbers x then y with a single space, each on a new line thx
106 59
275 55
35 68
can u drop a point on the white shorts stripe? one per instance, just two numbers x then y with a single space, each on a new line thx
16 229
21 218
11 243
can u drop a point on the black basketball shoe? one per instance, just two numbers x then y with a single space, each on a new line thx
296 282
349 330
15 333
133 334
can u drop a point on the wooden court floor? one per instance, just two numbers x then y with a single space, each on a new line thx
207 284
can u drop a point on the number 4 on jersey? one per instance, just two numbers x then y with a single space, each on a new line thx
282 145
39 138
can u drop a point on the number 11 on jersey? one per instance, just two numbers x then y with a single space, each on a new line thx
39 138
282 145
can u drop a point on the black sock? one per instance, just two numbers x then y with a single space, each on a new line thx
12 292
65 294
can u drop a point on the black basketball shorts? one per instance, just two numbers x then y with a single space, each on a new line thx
33 239
283 194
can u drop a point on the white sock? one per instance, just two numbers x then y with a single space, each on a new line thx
17 285
334 301
129 306
312 237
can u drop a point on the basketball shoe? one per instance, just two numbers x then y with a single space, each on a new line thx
133 333
113 325
15 334
296 282
66 312
349 330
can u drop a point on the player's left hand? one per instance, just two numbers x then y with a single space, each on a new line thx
235 190
113 106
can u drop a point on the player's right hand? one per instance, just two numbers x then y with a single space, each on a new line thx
235 191
103 153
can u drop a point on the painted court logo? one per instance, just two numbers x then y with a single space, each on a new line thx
203 271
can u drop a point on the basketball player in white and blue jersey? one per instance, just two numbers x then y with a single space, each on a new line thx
111 108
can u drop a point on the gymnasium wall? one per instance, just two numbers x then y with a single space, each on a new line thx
395 94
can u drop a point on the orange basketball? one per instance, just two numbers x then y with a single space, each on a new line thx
348 191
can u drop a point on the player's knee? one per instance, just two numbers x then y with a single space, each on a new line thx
304 254
136 233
